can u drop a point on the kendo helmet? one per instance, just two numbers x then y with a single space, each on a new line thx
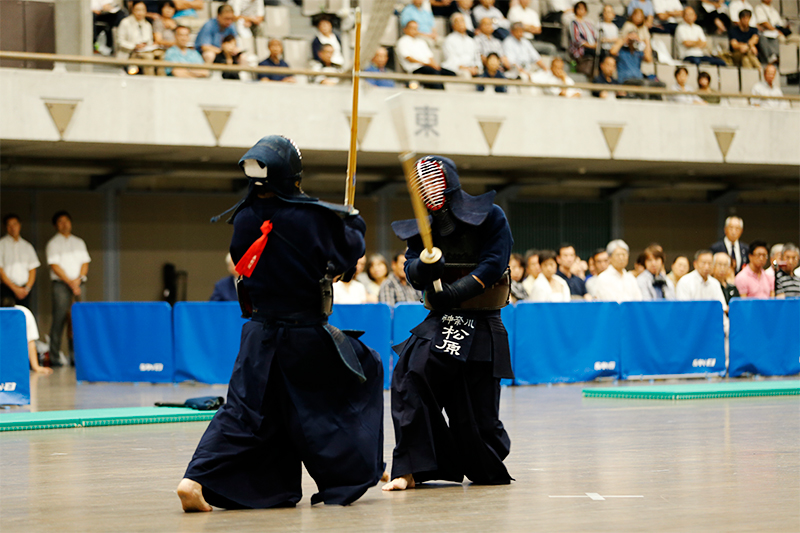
276 163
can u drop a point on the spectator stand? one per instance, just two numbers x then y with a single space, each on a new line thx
764 337
15 386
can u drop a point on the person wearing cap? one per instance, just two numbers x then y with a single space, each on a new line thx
302 392
453 360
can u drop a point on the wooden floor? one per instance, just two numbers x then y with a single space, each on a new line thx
580 465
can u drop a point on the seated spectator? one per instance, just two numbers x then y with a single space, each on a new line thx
230 55
615 284
492 70
579 268
600 260
442 8
607 76
106 15
486 43
374 274
532 269
349 292
164 26
558 75
181 53
653 284
325 65
691 41
744 42
607 30
31 336
135 37
754 281
225 289
787 283
698 285
464 7
638 266
521 54
771 26
325 36
647 9
526 15
460 52
517 270
420 14
722 271
582 40
636 23
629 63
275 59
668 14
378 64
415 56
486 9
209 40
681 77
716 19
735 8
395 288
769 87
549 287
249 16
558 8
704 86
565 259
775 257
186 14
680 267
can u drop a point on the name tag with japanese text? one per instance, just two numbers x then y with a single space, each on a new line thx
454 336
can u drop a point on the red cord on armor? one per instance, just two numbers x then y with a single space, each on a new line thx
247 264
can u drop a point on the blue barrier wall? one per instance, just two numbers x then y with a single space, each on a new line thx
15 384
376 322
764 337
207 338
123 341
566 342
661 338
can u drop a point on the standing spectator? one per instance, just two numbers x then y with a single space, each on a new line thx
275 59
629 62
325 65
647 8
531 26
517 270
230 55
349 292
698 285
771 25
653 284
375 273
565 260
378 64
209 40
135 37
18 263
558 75
600 260
668 14
615 284
165 25
704 86
395 288
249 15
106 15
492 70
549 286
735 8
225 289
754 281
608 32
486 9
787 283
692 42
607 76
69 264
722 271
415 56
423 17
769 87
181 53
486 43
681 77
716 19
730 244
744 42
582 40
532 269
679 268
460 52
325 36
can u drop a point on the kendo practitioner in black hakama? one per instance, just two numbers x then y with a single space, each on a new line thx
301 391
455 358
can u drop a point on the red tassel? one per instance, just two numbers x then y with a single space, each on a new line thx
249 260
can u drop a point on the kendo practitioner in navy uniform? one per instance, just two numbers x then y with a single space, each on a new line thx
455 358
301 390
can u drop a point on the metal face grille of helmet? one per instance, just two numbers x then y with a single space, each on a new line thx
429 179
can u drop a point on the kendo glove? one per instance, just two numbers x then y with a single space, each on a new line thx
454 293
422 274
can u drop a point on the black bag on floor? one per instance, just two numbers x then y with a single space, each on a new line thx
204 403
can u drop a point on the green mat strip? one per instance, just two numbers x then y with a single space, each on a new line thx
698 392
123 416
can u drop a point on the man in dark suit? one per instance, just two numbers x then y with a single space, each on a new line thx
731 244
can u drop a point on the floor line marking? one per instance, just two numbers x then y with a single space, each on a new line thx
594 496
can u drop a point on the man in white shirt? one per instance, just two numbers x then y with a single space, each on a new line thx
615 284
769 87
521 53
668 14
532 24
768 21
460 53
698 284
69 263
18 263
416 57
692 41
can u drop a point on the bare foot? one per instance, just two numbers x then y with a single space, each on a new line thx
385 477
191 495
400 483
